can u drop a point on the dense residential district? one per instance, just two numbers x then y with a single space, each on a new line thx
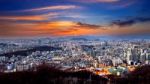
102 57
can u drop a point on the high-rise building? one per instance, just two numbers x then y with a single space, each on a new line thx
128 55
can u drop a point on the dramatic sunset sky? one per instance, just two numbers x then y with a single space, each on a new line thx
74 17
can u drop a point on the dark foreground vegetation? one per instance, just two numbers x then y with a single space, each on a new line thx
51 75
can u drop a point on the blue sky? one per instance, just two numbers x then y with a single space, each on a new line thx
73 17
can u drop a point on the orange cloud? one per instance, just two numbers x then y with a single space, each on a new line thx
31 17
57 28
23 18
67 28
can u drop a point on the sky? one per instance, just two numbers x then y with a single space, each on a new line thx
29 18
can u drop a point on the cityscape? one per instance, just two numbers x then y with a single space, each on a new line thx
74 42
101 57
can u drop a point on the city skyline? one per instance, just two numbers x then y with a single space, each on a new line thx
30 18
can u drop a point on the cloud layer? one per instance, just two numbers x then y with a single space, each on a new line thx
72 17
68 28
129 22
97 1
56 7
